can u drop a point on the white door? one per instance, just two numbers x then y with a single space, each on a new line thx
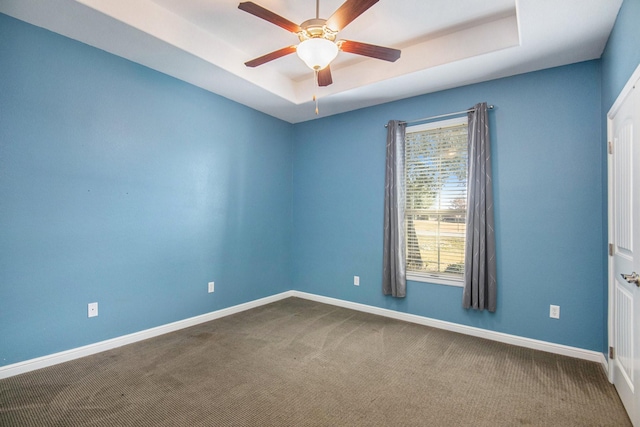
624 235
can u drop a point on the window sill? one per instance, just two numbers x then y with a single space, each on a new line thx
435 279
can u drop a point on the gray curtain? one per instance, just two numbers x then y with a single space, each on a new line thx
393 271
480 248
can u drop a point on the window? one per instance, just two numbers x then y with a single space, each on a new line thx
435 201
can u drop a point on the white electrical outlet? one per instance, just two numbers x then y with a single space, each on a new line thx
92 309
554 311
211 286
356 280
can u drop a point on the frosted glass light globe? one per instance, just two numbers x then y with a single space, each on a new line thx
317 53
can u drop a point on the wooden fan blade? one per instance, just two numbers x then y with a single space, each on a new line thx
370 50
271 56
346 13
324 77
267 15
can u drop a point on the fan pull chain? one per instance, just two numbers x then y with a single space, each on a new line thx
315 98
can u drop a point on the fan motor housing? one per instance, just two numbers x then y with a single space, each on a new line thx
316 28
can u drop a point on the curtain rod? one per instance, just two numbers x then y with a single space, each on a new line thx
490 107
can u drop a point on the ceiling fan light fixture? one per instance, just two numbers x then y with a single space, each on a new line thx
317 53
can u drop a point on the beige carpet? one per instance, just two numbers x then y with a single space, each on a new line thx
301 363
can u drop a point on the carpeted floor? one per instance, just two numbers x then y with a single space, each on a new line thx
301 363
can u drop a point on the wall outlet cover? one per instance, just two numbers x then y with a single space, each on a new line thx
92 309
211 287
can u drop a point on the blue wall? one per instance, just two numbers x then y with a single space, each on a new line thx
619 60
124 186
547 166
622 53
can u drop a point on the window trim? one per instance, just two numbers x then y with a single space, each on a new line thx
440 278
436 279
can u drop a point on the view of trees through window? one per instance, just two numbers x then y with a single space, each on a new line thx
436 197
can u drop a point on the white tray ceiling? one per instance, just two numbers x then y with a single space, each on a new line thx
445 44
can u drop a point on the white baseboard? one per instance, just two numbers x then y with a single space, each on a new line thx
564 350
65 356
87 350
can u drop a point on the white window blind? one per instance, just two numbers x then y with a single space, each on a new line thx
436 198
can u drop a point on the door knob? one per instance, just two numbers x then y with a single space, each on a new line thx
632 278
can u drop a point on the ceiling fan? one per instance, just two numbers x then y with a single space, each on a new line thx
318 45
